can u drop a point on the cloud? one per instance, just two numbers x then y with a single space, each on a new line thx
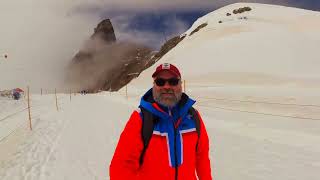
99 6
39 38
102 6
143 5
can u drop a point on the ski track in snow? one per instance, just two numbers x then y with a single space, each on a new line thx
61 138
35 155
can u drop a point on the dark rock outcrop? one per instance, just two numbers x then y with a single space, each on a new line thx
241 10
136 58
103 35
198 28
105 31
171 43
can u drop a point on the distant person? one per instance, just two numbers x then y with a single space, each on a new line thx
83 92
16 94
166 138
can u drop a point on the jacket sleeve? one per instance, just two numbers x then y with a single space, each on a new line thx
202 161
125 161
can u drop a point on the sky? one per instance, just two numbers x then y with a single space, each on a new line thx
48 33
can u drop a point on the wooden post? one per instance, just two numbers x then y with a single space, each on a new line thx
30 125
184 86
55 92
41 91
70 94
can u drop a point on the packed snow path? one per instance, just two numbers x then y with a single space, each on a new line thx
78 141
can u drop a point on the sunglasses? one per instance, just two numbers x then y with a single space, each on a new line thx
171 81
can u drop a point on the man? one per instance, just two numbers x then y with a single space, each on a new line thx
179 145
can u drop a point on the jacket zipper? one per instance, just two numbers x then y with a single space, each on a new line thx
175 147
175 154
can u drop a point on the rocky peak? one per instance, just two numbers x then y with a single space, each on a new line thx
104 64
105 31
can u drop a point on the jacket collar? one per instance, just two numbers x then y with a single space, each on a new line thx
182 107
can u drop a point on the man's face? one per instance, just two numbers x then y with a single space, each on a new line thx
167 95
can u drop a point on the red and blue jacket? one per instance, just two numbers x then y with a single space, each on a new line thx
171 153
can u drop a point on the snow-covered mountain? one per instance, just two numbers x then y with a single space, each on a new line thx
264 45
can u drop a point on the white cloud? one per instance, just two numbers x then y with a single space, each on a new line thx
94 6
146 4
39 38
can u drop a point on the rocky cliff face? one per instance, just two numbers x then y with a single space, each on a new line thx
103 35
105 31
105 64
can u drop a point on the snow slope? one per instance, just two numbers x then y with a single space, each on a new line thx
255 82
274 45
75 142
